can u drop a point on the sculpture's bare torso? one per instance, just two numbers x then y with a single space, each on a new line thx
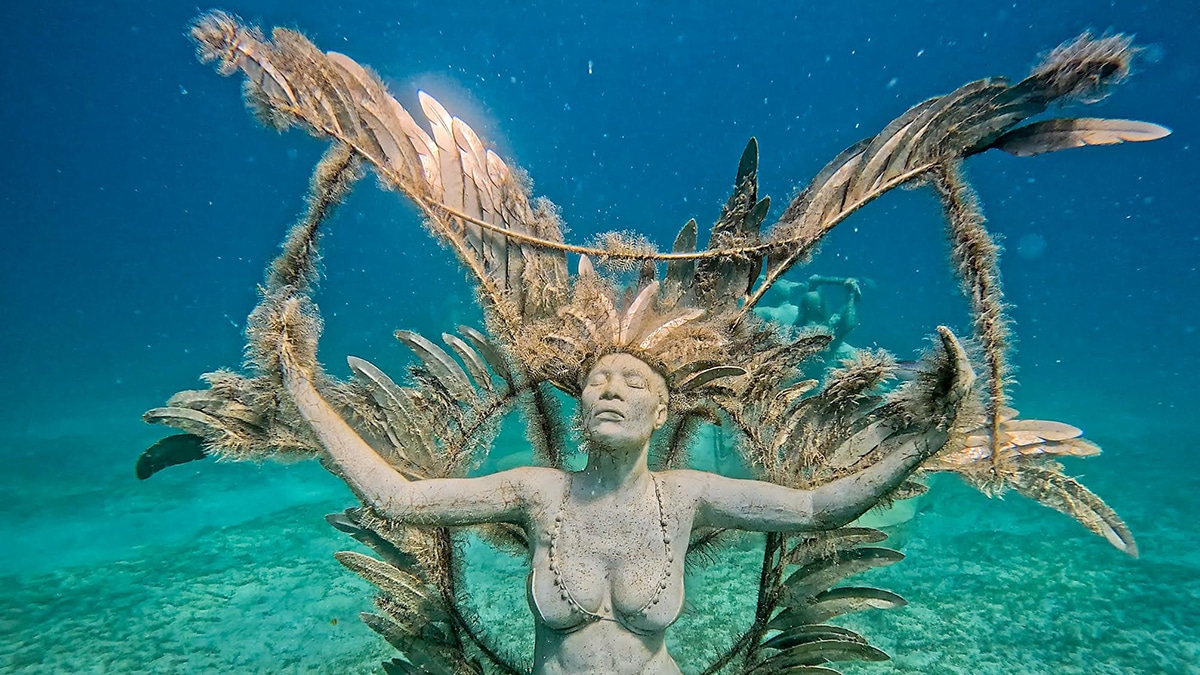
612 560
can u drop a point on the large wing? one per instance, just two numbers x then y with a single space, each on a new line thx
468 194
430 426
928 142
973 118
1029 453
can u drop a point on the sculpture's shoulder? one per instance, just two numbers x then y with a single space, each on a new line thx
538 485
684 484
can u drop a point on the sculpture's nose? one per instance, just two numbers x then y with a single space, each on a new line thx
610 390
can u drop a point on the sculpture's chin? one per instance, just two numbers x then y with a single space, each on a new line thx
615 435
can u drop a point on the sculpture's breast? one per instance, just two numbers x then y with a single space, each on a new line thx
612 561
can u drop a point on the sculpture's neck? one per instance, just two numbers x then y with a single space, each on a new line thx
615 469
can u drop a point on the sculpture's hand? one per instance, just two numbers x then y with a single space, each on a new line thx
936 402
962 383
942 392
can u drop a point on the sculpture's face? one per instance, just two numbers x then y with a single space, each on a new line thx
623 401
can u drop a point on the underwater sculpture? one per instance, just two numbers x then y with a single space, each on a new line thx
670 350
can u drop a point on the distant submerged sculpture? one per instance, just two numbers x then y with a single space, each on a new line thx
675 348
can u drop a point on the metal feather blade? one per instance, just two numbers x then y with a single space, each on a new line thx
803 201
471 359
727 279
881 149
688 369
490 352
185 419
819 575
1065 133
810 633
400 140
348 522
836 602
704 377
170 451
635 316
475 160
440 365
1019 440
925 139
810 670
399 667
407 422
1022 432
403 587
663 331
815 545
817 652
681 273
425 657
220 406
1065 494
860 444
449 162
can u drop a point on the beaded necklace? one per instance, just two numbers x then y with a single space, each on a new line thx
561 582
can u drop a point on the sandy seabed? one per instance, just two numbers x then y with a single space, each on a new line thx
229 568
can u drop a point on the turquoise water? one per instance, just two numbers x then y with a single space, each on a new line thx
139 203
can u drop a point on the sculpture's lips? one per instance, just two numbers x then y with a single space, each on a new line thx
608 414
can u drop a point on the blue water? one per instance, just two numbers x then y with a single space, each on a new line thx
139 203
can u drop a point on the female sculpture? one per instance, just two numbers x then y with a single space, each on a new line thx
671 349
607 542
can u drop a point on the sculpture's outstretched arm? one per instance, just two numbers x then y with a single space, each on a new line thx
766 507
838 502
496 498
938 398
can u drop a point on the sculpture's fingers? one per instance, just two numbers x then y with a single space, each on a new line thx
964 376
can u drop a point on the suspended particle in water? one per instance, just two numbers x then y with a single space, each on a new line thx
1031 246
1153 53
